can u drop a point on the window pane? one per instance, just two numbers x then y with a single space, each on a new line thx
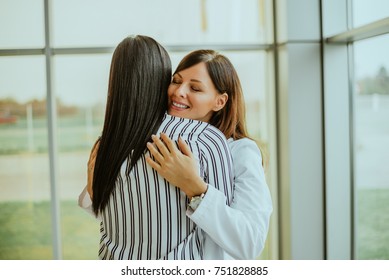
371 108
365 12
80 85
25 231
169 22
21 24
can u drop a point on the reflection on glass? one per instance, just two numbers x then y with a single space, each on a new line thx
365 12
216 21
21 24
25 231
371 176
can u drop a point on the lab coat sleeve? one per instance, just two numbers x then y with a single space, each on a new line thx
241 228
85 202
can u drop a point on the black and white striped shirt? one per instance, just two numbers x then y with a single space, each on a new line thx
146 218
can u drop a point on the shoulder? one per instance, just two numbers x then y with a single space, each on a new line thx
211 133
247 159
244 148
213 138
243 144
186 128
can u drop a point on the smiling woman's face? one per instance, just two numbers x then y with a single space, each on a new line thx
192 94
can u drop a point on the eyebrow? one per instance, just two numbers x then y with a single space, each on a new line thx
192 80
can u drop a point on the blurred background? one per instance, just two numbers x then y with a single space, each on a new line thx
316 85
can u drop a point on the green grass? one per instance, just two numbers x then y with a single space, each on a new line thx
25 231
373 224
72 135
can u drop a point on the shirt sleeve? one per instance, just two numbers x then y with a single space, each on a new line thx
85 202
240 228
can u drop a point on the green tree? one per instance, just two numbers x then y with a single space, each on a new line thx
373 85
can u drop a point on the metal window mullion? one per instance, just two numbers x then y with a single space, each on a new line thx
52 141
353 216
19 52
107 50
373 29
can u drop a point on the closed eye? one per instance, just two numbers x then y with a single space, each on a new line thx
176 81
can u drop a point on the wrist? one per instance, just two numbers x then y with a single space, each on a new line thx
198 188
196 200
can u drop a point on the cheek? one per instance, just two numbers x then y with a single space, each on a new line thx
170 91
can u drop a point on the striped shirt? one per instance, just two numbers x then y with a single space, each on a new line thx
146 218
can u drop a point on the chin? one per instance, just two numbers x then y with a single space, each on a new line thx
175 114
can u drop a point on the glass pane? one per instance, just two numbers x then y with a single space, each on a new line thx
371 109
365 12
169 22
25 231
21 24
80 85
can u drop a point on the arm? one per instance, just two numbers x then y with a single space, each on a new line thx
85 197
241 228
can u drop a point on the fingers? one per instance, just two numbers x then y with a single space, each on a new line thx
154 151
184 148
96 144
169 143
161 146
93 154
152 163
92 158
166 147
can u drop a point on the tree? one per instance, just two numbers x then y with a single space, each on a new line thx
373 85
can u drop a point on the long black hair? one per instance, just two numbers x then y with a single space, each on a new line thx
139 78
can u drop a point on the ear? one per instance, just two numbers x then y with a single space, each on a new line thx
221 101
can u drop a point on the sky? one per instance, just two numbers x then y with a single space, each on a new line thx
83 79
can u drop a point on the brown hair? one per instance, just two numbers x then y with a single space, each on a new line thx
231 119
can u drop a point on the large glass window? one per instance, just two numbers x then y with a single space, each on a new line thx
365 12
106 23
21 24
25 231
79 86
371 125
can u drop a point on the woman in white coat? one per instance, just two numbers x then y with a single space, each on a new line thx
236 229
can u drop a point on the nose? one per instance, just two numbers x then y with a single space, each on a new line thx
180 91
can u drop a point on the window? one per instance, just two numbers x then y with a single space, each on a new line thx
24 164
79 59
371 156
